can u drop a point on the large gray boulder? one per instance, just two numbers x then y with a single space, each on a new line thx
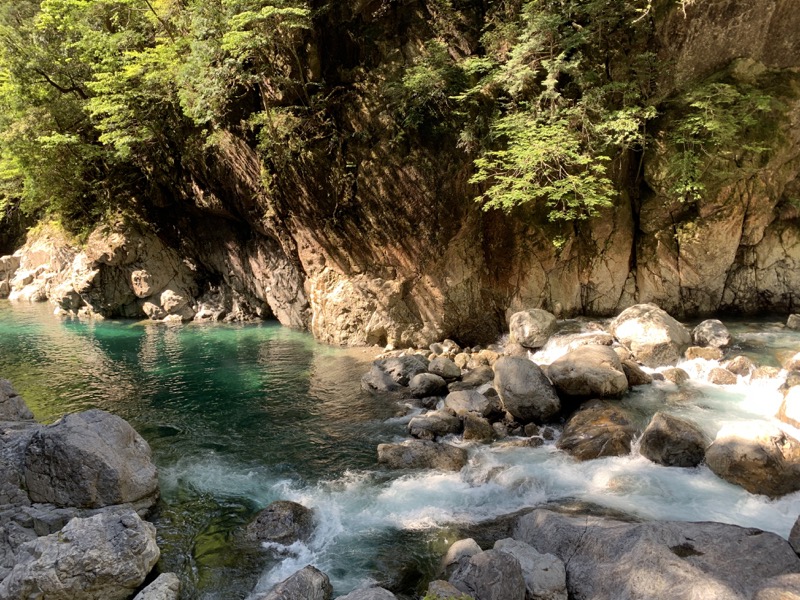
531 328
490 575
545 575
711 333
674 442
12 406
308 583
425 385
422 454
468 401
104 557
445 368
598 429
525 390
654 337
434 424
166 586
589 371
373 593
90 460
402 368
608 559
376 380
759 457
282 522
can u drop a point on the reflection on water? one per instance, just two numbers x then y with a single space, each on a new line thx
239 416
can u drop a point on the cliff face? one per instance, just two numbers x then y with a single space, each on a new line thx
377 240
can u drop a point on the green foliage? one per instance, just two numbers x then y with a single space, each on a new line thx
718 126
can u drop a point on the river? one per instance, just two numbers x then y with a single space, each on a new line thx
241 415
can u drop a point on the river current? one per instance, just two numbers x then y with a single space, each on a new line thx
241 415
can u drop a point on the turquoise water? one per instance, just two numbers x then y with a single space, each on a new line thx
241 415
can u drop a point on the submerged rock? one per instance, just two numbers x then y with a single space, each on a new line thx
589 371
525 390
531 328
308 583
104 557
653 336
420 454
90 460
607 559
673 442
596 430
283 522
12 406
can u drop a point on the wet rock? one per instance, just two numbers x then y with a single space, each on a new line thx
589 371
635 374
104 557
490 575
444 590
444 368
167 586
373 593
468 401
12 406
90 460
719 376
793 322
545 575
434 424
476 428
676 375
458 551
421 454
525 390
789 411
308 583
283 522
606 559
673 442
711 332
782 587
653 336
740 365
402 368
425 385
706 353
376 380
531 328
765 373
473 379
756 456
598 429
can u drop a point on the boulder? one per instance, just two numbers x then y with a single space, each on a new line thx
461 360
104 557
477 428
167 586
545 575
376 380
490 575
711 332
654 337
759 457
676 375
282 522
473 379
458 551
12 406
531 328
372 593
90 460
789 411
425 385
525 390
434 424
793 322
782 587
308 583
444 368
402 368
589 371
707 353
422 454
598 429
608 559
673 442
444 590
468 401
740 365
765 373
719 376
635 374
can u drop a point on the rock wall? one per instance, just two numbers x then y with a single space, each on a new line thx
377 241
